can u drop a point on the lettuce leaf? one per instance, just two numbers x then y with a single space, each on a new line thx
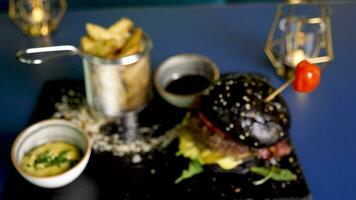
194 168
273 173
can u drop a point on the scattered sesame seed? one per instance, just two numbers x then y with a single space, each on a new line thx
237 190
283 184
270 108
246 98
259 96
114 143
249 91
71 93
64 98
136 158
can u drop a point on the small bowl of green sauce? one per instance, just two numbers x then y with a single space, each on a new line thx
51 153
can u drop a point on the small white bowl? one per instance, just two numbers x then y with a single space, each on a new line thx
46 131
179 66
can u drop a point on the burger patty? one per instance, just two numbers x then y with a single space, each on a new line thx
224 144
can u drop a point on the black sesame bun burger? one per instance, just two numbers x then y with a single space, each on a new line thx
233 124
235 106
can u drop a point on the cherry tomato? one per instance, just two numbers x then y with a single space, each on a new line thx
307 77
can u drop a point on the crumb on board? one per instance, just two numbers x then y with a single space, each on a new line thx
114 143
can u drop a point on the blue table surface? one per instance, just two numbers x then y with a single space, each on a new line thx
233 36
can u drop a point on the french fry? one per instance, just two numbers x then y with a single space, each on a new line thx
138 69
97 32
101 48
121 29
105 48
116 41
87 45
122 26
133 44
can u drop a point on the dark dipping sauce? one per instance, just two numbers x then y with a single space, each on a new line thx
189 84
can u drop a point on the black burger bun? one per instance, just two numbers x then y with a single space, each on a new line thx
235 105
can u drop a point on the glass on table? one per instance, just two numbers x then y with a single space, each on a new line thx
37 17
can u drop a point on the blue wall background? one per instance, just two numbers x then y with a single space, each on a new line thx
83 4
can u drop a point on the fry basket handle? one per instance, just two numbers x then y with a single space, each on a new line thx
42 54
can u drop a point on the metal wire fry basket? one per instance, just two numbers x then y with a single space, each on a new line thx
114 87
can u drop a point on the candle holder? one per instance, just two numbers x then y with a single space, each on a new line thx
37 17
300 30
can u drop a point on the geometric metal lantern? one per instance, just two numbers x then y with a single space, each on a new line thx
300 30
37 17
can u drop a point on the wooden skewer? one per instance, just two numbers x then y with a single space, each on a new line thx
279 90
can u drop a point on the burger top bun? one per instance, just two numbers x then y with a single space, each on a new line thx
235 106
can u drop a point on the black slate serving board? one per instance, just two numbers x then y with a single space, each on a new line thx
109 177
